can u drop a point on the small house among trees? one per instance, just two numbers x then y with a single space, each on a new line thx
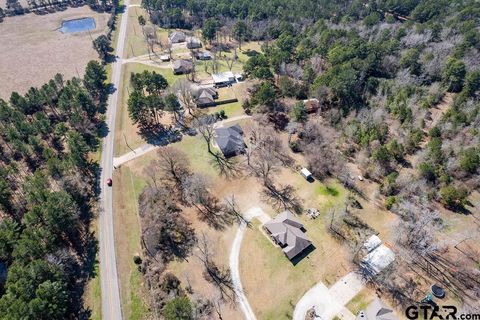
194 43
225 79
205 99
177 37
202 55
182 67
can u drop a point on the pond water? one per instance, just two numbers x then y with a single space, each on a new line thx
77 25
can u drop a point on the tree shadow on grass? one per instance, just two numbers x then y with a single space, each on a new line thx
159 136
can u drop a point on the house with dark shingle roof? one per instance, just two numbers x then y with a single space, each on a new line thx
286 231
205 99
182 66
205 96
230 140
177 37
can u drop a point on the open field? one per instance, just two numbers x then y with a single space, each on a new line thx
127 186
136 44
33 51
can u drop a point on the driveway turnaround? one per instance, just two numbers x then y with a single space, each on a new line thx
329 303
234 260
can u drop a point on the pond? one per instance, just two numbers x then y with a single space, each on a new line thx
77 25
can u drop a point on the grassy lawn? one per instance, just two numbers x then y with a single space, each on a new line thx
360 301
136 44
127 186
231 109
125 129
275 277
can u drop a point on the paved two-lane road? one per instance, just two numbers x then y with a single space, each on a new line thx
111 307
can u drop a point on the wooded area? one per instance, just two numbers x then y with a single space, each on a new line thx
48 190
397 85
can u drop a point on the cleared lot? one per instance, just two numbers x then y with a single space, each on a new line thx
33 51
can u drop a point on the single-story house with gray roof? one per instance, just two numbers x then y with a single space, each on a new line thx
230 140
205 99
286 231
182 66
177 37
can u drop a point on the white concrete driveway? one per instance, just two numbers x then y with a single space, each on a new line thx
329 303
254 212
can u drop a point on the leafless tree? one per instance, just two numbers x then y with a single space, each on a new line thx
417 229
282 197
171 166
164 230
219 276
266 152
183 89
231 208
196 193
204 125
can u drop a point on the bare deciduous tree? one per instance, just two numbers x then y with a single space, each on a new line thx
196 193
171 165
219 276
231 208
282 197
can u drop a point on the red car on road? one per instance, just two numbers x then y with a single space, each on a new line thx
109 182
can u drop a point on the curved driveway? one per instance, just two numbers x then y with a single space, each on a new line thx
234 260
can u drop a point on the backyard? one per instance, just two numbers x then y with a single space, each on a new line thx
288 282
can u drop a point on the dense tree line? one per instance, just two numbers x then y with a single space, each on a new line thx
14 7
150 100
47 195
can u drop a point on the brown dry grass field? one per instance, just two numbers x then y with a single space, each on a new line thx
33 51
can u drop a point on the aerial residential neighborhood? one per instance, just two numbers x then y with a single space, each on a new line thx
254 159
